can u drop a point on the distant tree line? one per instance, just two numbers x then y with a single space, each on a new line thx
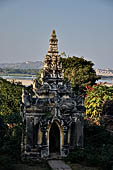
19 71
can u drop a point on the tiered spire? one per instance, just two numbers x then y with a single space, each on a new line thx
53 44
52 63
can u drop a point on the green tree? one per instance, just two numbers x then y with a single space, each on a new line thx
3 130
10 98
80 72
10 123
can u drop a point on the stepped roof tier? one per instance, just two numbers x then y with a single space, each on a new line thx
53 44
52 63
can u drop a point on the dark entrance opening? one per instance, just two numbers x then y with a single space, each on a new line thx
54 139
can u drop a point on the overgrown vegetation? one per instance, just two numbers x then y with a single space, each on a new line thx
95 98
10 124
98 148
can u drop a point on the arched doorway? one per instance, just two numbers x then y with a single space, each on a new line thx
54 139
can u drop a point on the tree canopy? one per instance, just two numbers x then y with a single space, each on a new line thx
80 72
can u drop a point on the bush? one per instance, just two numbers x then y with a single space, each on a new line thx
98 148
77 155
108 108
6 162
10 120
96 96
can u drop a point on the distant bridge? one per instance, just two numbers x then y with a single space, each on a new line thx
104 72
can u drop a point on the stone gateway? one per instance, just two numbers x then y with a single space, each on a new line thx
52 113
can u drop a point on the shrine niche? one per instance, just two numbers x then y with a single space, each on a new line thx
52 114
54 139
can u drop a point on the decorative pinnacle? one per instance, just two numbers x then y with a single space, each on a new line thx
53 33
53 43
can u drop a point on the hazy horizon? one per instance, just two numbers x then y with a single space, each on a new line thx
83 28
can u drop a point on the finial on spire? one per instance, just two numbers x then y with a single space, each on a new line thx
53 35
53 32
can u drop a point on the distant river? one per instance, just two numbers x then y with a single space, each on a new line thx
103 80
107 80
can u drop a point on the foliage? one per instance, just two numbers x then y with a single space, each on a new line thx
10 98
108 108
6 163
96 96
10 123
80 72
10 140
3 130
99 142
98 148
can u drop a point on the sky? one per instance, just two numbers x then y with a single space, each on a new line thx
83 28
